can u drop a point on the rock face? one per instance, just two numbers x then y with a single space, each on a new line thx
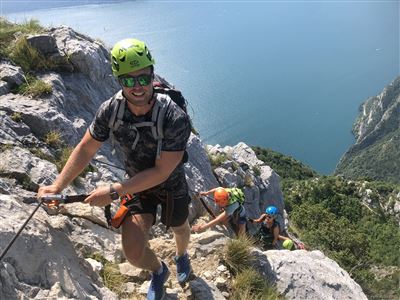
377 133
307 275
260 183
43 262
53 256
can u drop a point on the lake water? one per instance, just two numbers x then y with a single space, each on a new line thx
288 75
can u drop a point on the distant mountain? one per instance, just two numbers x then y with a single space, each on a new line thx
377 131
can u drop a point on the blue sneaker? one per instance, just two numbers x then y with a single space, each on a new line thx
183 268
156 290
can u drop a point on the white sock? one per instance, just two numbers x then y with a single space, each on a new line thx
181 255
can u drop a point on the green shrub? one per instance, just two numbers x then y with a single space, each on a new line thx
286 166
256 170
379 287
61 153
327 213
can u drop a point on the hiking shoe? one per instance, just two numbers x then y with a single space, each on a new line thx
156 290
183 268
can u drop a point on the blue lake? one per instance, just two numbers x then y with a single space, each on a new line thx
287 75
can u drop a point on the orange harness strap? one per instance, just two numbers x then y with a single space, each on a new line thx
119 217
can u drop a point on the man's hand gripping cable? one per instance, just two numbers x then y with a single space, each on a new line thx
54 201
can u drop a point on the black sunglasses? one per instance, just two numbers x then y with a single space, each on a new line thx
130 81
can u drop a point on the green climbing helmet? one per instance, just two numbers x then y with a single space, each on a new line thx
130 55
288 244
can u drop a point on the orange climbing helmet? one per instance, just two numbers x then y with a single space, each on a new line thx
221 197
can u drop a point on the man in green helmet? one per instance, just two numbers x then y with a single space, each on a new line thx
156 173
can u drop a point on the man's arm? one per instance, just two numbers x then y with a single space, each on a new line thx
219 219
208 192
78 160
259 220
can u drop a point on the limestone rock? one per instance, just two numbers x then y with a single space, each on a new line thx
12 75
307 275
41 257
205 290
44 43
89 238
261 189
22 165
198 174
135 274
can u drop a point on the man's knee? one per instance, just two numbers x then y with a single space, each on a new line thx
183 229
134 254
135 237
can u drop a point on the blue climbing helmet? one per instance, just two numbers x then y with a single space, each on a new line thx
271 210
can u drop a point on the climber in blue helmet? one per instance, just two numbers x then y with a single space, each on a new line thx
269 231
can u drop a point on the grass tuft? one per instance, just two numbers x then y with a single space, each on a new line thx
250 285
53 139
16 117
34 87
9 31
256 170
217 159
112 278
249 279
27 57
237 254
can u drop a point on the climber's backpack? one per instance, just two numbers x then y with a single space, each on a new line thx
236 194
166 94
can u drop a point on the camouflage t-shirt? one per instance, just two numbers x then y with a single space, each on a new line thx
176 128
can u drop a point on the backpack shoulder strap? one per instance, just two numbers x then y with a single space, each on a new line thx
118 103
160 108
118 107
